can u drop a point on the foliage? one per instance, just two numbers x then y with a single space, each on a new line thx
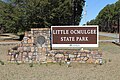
108 18
20 15
1 62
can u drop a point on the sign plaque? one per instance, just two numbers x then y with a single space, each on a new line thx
74 36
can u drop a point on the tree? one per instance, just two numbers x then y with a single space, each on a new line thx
108 18
20 15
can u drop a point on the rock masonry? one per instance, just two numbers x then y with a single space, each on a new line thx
36 47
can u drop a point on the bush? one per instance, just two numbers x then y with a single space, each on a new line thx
31 64
2 63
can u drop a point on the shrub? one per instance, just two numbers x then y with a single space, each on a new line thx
2 63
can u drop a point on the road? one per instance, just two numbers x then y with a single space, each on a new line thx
113 35
109 34
10 43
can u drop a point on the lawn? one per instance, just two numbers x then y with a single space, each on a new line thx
107 71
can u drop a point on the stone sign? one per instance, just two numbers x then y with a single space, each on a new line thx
35 46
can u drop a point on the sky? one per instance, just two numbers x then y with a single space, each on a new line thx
92 8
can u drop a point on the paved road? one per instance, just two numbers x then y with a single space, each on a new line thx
113 35
109 34
10 43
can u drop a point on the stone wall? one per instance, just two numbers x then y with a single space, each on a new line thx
35 46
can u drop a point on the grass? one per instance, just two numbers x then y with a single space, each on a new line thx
108 71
